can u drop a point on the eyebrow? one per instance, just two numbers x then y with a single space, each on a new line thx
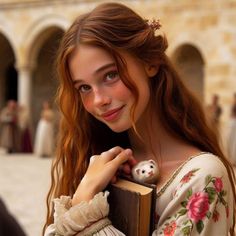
97 71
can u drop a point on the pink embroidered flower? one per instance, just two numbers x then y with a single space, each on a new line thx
197 206
187 177
218 184
170 228
215 215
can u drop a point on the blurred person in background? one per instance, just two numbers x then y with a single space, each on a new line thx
214 112
44 137
9 127
231 142
25 129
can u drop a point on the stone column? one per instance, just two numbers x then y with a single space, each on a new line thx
25 85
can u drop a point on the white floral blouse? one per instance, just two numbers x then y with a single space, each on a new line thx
196 200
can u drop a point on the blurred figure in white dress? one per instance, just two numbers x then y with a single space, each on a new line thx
44 138
231 144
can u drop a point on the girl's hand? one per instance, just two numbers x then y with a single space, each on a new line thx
101 170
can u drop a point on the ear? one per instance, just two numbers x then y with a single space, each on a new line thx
151 70
137 171
151 161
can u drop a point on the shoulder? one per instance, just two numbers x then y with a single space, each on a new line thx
202 173
204 164
201 198
194 172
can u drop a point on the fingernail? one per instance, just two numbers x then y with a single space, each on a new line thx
128 152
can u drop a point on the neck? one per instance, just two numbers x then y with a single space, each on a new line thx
154 142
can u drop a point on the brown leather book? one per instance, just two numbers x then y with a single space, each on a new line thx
132 207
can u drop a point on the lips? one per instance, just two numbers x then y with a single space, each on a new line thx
111 114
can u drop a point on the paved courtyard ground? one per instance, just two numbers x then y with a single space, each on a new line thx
24 182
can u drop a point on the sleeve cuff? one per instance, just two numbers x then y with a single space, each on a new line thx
69 220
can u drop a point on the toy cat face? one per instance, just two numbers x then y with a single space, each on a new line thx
146 172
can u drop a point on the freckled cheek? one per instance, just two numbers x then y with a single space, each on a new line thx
88 104
122 92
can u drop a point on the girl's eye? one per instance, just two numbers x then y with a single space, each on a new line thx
113 75
84 88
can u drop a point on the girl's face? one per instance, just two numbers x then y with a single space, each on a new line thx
102 91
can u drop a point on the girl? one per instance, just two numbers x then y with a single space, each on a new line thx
122 102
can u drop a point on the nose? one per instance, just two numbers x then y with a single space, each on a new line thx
150 173
101 98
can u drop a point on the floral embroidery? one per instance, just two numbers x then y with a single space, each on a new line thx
216 215
196 206
185 180
218 184
188 176
170 228
227 211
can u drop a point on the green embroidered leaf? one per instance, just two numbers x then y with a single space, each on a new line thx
194 170
210 189
186 222
168 217
222 200
208 179
211 193
208 214
182 212
189 193
223 193
184 203
200 226
186 230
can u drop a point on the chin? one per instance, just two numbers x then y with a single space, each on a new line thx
119 128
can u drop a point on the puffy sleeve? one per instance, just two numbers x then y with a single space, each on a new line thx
201 202
86 218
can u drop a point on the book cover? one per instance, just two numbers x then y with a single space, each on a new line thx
132 207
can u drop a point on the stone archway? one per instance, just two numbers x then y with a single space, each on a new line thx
190 65
44 83
8 74
35 63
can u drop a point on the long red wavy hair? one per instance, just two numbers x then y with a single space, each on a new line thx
116 27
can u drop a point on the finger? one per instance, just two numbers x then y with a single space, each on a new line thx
132 161
126 168
92 158
112 153
115 150
114 179
123 156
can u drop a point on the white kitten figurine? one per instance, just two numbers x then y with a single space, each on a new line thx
146 172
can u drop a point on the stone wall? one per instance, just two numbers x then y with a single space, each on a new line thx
207 26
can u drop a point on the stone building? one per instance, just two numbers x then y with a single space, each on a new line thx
201 34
